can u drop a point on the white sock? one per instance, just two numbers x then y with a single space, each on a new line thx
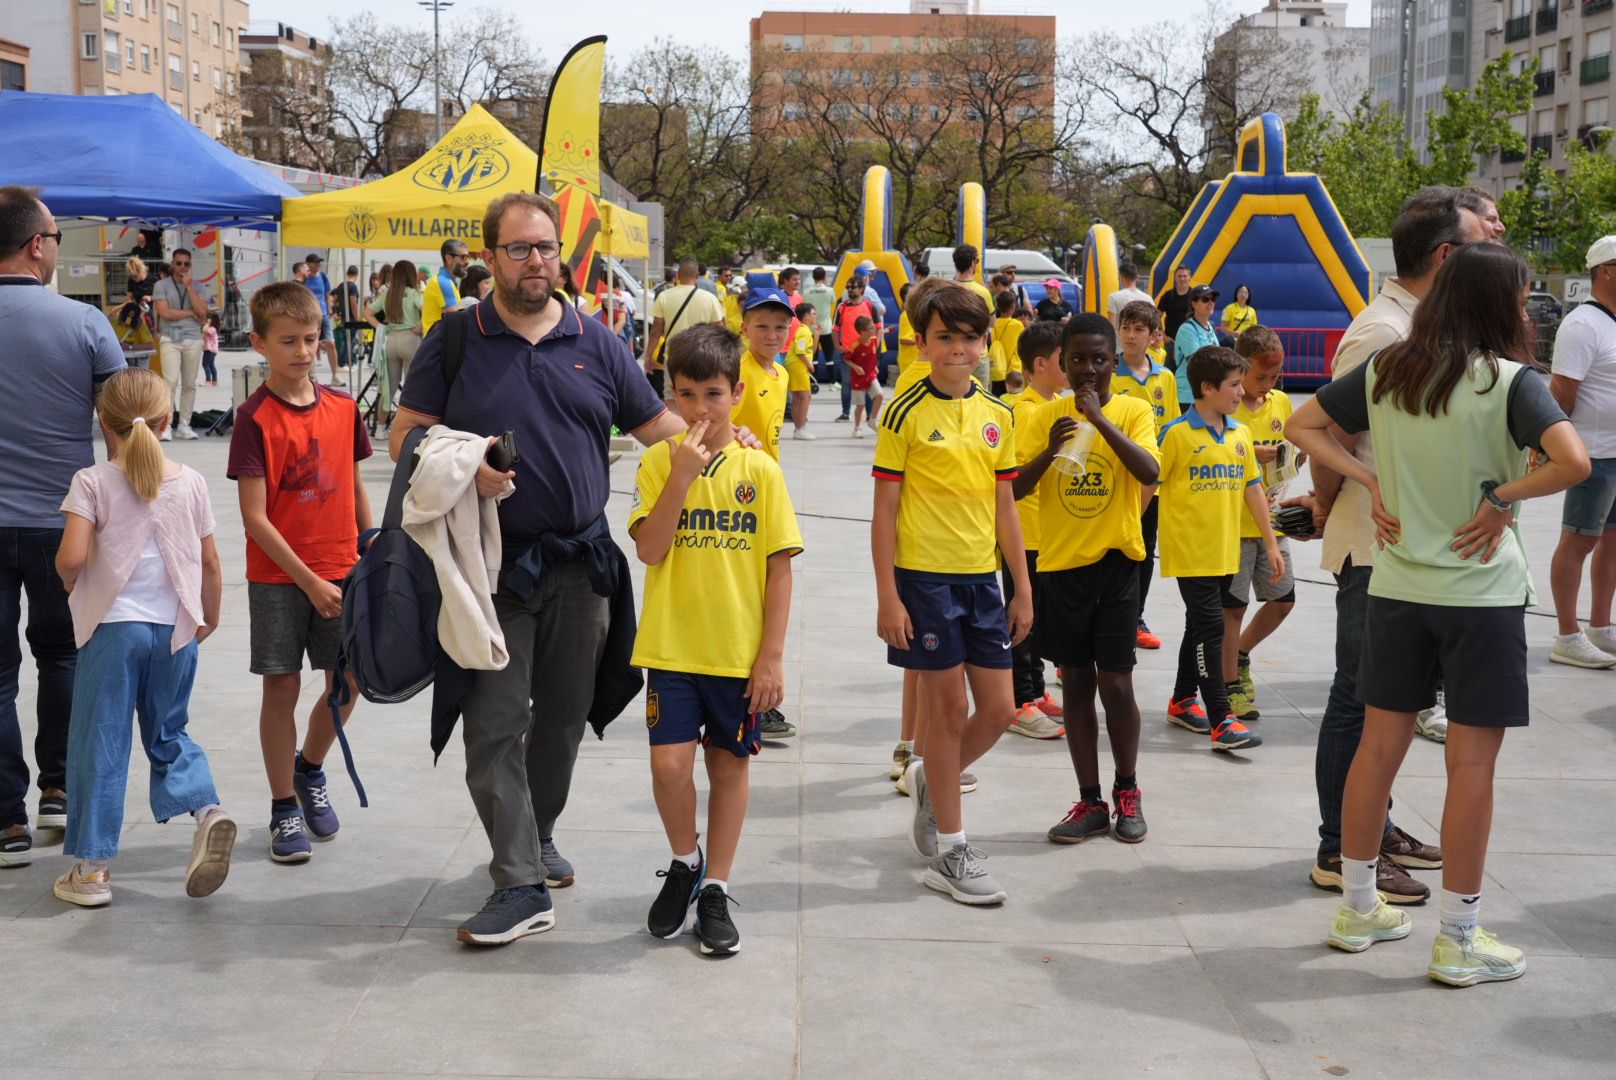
1600 630
692 860
947 840
90 866
1358 884
907 744
203 811
1566 639
720 882
1458 913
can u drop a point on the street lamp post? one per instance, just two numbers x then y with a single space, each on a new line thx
436 7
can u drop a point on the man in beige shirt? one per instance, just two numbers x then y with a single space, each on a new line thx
1429 226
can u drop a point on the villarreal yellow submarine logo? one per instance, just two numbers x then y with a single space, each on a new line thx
469 163
745 493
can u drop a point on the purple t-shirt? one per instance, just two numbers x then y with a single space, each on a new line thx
561 397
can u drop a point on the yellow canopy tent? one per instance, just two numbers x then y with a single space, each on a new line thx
439 196
624 234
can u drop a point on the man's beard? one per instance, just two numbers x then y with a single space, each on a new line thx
520 303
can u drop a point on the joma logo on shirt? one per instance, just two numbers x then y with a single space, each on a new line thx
1217 472
700 520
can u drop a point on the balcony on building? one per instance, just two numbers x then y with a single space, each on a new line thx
1596 69
1543 83
1591 6
1548 17
1517 28
1544 143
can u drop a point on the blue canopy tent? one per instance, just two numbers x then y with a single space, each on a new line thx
130 157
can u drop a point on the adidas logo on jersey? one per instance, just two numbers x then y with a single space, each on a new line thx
935 436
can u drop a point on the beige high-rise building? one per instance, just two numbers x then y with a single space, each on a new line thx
185 51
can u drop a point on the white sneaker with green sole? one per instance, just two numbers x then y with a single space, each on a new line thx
1476 959
1352 932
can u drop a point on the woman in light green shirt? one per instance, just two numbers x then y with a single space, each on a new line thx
399 305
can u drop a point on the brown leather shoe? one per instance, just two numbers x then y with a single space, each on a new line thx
1408 852
1393 881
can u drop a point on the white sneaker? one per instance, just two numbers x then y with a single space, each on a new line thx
167 435
1432 723
187 433
804 434
1602 639
858 433
1580 652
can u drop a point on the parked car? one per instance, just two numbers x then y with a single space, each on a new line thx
1033 268
1540 305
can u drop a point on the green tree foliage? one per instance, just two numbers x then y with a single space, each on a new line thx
1558 217
1363 160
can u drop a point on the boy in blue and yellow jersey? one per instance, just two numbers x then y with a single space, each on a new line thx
766 327
800 368
1003 356
712 521
1264 411
1037 712
1088 579
1142 376
1208 468
944 462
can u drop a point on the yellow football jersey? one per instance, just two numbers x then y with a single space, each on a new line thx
763 402
703 610
1007 332
949 454
1080 518
1023 405
907 354
1267 427
1203 489
1159 390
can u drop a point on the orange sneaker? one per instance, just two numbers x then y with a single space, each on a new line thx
1049 706
1233 735
1031 722
1189 714
1146 639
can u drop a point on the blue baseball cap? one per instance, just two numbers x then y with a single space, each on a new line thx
758 297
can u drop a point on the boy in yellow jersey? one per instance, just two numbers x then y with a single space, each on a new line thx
761 405
944 462
911 369
1141 376
731 294
713 523
1264 411
1208 468
1037 712
799 369
1157 349
1006 330
1088 578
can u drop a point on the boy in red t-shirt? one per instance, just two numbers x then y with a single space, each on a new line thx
295 454
863 363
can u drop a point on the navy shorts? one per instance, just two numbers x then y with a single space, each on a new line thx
956 621
709 709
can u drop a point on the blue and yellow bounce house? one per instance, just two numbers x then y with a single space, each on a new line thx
1279 234
892 269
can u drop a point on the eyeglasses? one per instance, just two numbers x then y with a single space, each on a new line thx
521 250
56 236
181 265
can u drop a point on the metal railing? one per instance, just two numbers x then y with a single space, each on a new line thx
1547 19
1518 27
1544 143
1309 353
1543 84
1591 6
1596 69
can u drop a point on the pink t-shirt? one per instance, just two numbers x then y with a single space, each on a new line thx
178 519
210 338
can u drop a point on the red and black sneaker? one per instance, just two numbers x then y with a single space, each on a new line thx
1189 714
1086 819
1233 735
1130 827
1145 639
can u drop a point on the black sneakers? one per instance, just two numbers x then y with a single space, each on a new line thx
714 929
52 812
16 850
1130 826
670 914
1083 820
509 914
776 726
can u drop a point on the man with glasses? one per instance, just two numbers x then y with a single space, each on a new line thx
442 292
56 352
1431 225
853 305
183 312
560 381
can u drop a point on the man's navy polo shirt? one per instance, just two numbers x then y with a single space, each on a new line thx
561 397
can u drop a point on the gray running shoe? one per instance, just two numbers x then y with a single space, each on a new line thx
923 832
959 873
557 871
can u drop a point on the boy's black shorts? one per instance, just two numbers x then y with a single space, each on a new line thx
1090 614
1407 647
709 709
955 621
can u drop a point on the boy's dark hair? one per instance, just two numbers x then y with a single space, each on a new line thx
1212 364
704 352
903 292
1002 280
1042 338
819 273
922 271
1087 322
284 300
965 257
1140 313
790 271
1254 341
22 217
1127 271
961 310
803 310
1004 303
862 323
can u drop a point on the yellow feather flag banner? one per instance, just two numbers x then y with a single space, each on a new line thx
570 157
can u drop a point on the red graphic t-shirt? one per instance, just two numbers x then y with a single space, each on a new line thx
306 454
867 357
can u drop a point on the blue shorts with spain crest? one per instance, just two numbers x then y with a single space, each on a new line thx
957 619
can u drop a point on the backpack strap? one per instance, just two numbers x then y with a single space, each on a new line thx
454 346
393 516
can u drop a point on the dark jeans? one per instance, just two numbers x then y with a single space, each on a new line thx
28 563
1200 656
1342 725
1148 522
845 377
1027 665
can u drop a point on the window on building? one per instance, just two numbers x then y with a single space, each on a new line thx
218 80
145 58
792 110
216 35
897 44
866 77
1028 81
979 80
196 117
841 112
914 78
1598 44
936 112
843 77
791 42
129 54
791 76
12 76
894 112
196 23
196 71
128 7
230 82
1596 111
973 114
91 47
1027 46
1027 112
841 43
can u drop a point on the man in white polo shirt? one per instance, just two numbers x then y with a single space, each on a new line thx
1584 383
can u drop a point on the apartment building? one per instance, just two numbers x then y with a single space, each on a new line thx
1416 48
284 96
884 61
1571 42
185 51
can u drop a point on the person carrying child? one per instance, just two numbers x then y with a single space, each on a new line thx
713 523
1091 542
800 369
295 453
144 582
863 362
1208 468
1263 411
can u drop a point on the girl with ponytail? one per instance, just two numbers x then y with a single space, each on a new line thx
144 584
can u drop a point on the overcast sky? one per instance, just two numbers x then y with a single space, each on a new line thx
631 24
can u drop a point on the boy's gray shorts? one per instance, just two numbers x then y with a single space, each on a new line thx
283 628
